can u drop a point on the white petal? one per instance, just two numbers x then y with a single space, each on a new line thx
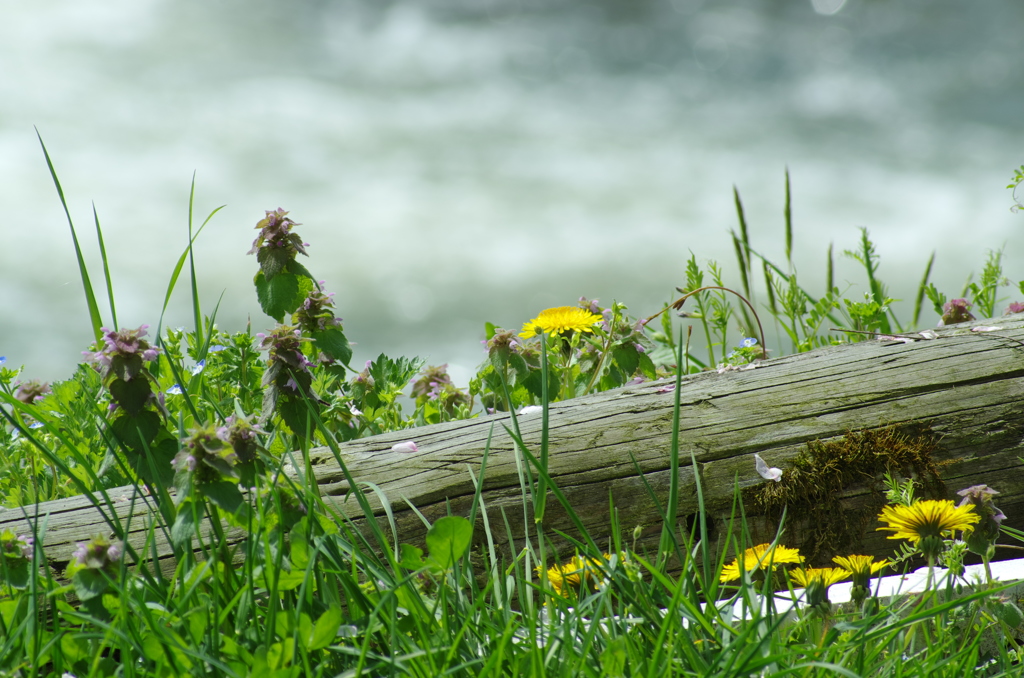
985 328
530 409
928 334
764 471
406 447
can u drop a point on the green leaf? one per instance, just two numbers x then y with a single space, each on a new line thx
1009 614
136 431
74 648
326 628
447 540
613 658
17 573
272 260
12 610
89 583
412 557
299 546
533 382
305 631
281 295
152 647
224 495
184 524
333 342
627 358
647 366
298 269
132 395
289 581
327 524
295 412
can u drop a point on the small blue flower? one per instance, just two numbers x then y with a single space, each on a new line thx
748 342
3 359
36 424
174 390
214 348
198 368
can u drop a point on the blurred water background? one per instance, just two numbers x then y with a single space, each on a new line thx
460 161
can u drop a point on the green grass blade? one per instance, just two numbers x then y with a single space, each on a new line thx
830 271
90 297
177 270
106 267
197 315
919 299
667 544
789 224
744 235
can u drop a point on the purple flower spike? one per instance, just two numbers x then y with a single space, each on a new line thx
98 553
956 311
1014 307
31 391
123 353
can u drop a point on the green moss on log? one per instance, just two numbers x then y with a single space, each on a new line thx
813 488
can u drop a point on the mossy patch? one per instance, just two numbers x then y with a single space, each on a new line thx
813 485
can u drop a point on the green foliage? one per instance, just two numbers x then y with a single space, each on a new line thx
1014 185
261 575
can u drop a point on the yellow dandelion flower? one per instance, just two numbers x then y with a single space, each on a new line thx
927 518
567 578
826 575
759 557
561 319
863 566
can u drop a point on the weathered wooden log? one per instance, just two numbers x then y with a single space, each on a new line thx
956 398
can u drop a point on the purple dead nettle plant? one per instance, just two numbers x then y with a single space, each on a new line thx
956 311
982 539
205 457
16 547
287 372
276 240
1014 307
99 553
436 384
240 434
317 312
32 390
123 354
121 363
503 344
